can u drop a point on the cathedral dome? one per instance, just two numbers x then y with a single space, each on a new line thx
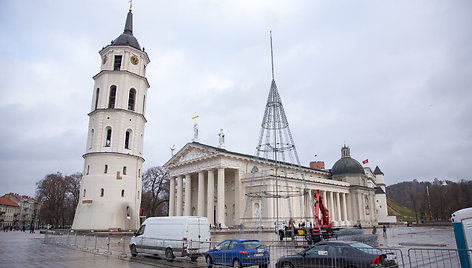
127 38
347 165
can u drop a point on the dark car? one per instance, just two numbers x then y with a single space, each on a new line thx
338 254
238 253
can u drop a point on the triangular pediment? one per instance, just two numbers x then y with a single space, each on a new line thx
190 152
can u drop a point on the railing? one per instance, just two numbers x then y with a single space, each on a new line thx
283 254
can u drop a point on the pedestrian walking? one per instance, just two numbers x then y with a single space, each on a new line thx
385 231
374 230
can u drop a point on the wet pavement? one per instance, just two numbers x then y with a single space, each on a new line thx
19 249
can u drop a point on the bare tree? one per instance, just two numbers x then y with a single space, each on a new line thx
155 200
73 193
51 192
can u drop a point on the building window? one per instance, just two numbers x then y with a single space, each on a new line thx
124 170
85 191
88 169
108 140
127 139
96 98
131 98
138 195
117 63
106 169
144 103
122 193
102 192
139 173
112 97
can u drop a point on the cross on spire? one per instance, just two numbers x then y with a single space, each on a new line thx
195 118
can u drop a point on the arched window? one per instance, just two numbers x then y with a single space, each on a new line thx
108 139
127 135
112 97
96 98
124 170
123 193
131 98
106 169
102 192
144 103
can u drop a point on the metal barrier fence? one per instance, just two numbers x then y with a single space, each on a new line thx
267 254
430 257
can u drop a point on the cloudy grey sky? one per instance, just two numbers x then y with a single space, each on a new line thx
391 79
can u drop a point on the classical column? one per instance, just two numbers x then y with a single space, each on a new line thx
344 208
338 207
172 197
188 195
325 200
211 197
180 181
221 197
331 205
238 197
311 205
201 194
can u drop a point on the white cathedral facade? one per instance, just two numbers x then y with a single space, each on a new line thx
213 182
110 190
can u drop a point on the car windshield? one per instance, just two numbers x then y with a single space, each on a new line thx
251 244
366 248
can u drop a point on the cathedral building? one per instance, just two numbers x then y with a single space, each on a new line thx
213 182
110 190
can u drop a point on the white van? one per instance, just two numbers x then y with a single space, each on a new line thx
177 236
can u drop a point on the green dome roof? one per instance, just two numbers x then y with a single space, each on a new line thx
347 165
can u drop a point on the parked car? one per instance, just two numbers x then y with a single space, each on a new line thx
176 236
238 253
339 254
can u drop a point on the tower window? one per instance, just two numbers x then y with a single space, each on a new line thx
108 140
117 63
122 193
112 97
96 98
124 170
132 95
88 169
127 139
85 191
106 169
144 103
102 192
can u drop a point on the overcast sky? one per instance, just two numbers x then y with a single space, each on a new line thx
391 79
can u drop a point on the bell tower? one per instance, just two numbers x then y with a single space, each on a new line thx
110 190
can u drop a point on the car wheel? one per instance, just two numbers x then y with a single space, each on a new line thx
169 254
281 235
263 265
134 252
209 261
236 263
287 265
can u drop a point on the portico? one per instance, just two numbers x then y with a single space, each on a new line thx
212 182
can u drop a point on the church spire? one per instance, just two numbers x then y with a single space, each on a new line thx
127 38
129 23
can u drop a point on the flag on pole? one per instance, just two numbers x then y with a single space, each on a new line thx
365 161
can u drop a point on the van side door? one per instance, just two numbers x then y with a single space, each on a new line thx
139 239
